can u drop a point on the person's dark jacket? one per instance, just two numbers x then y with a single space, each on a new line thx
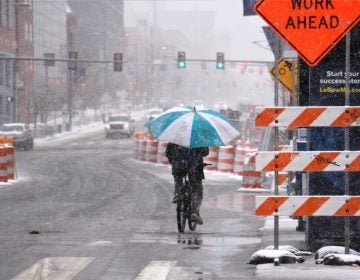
186 160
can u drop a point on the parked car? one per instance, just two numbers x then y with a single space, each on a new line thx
20 132
153 113
119 124
42 130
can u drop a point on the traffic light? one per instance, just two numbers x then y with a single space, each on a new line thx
73 62
118 57
181 61
220 60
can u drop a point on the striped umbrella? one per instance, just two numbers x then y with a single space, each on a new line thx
192 127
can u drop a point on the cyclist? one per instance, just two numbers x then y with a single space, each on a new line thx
188 162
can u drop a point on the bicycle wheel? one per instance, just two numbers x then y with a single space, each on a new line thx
192 225
180 216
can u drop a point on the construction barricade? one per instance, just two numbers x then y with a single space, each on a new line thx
226 159
151 150
212 158
239 158
10 158
3 164
251 178
161 158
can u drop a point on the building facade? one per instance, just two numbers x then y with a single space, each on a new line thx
50 79
100 34
16 76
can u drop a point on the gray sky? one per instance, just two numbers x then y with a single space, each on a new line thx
243 31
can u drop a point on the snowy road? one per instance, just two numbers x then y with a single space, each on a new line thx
83 208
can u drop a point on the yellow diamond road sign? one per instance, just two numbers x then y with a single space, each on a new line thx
285 76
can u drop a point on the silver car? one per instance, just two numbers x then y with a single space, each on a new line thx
21 134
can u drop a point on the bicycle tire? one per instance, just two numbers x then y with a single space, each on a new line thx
180 217
192 225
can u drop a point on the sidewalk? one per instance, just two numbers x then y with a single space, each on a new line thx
299 271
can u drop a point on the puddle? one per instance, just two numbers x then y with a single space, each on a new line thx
236 202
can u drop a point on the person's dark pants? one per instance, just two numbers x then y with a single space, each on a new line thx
197 193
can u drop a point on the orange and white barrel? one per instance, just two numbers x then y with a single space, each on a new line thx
10 161
282 179
9 144
212 158
240 152
151 150
226 159
161 158
251 178
3 164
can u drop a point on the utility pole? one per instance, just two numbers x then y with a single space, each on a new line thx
15 64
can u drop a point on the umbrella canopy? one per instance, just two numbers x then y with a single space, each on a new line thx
192 127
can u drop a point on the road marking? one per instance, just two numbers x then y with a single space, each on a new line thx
60 268
158 270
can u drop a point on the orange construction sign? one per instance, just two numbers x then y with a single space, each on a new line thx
311 27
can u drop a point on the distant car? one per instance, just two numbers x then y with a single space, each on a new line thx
119 124
153 113
21 134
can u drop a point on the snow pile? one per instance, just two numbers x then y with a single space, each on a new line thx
291 249
335 255
341 259
269 256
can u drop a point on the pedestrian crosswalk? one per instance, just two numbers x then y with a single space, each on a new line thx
64 268
67 268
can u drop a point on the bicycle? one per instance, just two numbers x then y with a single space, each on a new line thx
184 207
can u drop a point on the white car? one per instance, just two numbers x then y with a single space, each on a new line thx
119 124
153 113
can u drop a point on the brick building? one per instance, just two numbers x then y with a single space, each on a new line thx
15 40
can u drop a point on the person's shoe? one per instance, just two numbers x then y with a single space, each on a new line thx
196 218
176 198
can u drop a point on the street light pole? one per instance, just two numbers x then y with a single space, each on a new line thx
15 68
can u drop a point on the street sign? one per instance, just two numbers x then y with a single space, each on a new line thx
312 28
285 76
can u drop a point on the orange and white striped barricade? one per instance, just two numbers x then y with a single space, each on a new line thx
308 161
3 164
239 158
11 165
226 159
141 150
251 177
161 158
151 150
307 206
212 158
10 160
313 116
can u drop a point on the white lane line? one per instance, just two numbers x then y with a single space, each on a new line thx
158 270
183 273
60 268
